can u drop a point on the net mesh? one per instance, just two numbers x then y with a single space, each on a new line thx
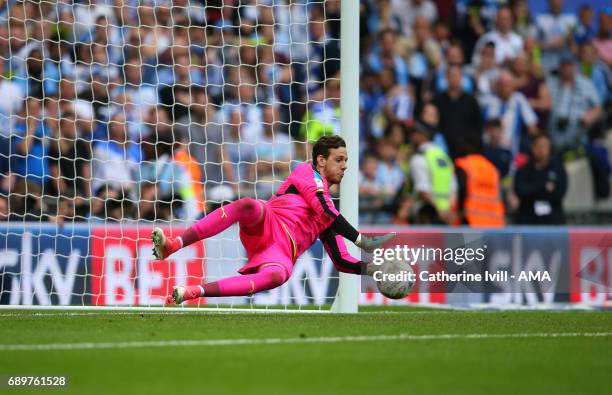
120 115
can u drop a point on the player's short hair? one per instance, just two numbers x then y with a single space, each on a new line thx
326 143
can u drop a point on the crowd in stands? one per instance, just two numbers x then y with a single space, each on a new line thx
160 110
483 104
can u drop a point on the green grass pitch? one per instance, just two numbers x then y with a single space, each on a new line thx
518 352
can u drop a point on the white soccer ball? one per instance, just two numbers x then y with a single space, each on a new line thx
395 280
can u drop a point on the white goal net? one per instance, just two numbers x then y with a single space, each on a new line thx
118 116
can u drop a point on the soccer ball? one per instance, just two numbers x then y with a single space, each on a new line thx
396 279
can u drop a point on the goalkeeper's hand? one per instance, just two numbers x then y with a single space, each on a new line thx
369 244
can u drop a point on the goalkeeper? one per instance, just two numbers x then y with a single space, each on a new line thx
275 233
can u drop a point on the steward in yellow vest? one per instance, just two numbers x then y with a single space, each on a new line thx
433 179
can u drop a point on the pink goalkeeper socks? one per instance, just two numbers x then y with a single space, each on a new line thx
247 211
266 278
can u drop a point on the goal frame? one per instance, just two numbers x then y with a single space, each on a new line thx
347 296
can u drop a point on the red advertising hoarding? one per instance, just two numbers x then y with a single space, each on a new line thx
590 253
124 272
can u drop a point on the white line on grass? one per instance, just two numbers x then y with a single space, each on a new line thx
105 313
164 309
296 340
185 312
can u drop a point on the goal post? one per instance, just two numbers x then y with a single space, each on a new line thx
348 288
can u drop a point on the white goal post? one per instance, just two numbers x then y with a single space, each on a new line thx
348 289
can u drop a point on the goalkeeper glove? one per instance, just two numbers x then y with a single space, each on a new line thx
369 244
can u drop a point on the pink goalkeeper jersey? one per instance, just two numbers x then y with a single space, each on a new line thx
304 205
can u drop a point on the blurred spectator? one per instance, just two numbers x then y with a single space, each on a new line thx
9 88
115 163
473 19
102 67
168 183
243 99
70 166
156 121
238 156
393 103
331 10
86 16
32 79
486 71
454 57
204 134
433 179
442 35
150 38
479 199
409 10
584 31
518 119
370 200
292 31
323 54
274 152
323 118
540 186
390 176
508 44
532 87
371 101
111 204
524 24
596 71
142 95
495 151
174 91
108 34
29 161
274 79
397 134
4 212
462 118
98 93
555 34
603 38
381 16
384 56
399 103
423 54
52 65
576 107
430 120
69 102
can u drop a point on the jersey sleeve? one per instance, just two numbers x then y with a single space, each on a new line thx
336 249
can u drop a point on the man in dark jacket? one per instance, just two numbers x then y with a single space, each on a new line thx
462 119
540 186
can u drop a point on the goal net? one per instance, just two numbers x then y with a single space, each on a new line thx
118 116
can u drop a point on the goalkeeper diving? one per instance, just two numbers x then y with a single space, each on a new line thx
275 233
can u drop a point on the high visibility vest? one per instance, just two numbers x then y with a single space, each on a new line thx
441 171
192 168
483 206
319 122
